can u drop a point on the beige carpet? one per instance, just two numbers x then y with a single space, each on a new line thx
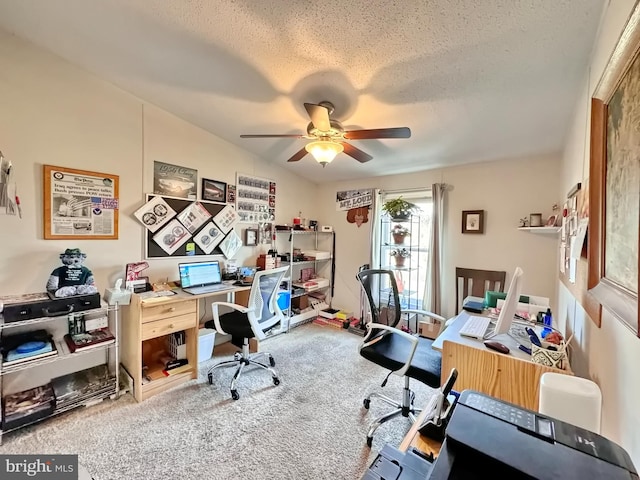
311 426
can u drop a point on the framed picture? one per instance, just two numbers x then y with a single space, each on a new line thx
614 211
214 190
473 221
174 180
79 205
551 221
251 237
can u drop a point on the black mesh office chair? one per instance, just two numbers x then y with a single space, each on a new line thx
401 353
253 321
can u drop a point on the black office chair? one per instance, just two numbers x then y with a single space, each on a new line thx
385 344
253 321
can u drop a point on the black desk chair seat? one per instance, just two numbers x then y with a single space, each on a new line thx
390 352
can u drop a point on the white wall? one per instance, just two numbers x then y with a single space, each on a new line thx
609 355
53 113
506 190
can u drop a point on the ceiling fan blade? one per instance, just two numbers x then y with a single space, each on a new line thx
399 132
356 153
272 136
319 116
298 155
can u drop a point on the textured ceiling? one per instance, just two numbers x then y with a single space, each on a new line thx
474 79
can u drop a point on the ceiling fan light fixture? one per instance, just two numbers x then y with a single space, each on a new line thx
324 151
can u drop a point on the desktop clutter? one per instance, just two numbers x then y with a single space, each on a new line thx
527 319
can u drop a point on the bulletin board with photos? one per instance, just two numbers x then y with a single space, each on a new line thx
178 227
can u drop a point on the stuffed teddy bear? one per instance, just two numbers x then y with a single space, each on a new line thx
73 278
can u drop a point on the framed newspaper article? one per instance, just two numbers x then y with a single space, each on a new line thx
79 204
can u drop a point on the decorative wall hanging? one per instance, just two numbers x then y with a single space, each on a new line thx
182 206
174 180
155 213
473 221
255 198
214 190
79 204
614 217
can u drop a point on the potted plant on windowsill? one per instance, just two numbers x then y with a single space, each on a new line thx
399 255
399 209
398 232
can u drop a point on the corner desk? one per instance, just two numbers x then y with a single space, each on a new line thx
146 326
512 377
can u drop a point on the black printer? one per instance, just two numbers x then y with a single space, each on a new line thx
489 438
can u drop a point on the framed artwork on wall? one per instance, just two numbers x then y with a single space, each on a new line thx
614 210
214 190
473 221
79 205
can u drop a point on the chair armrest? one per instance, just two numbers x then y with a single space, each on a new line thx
395 331
435 316
216 315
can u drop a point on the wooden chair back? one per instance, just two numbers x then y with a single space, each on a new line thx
476 283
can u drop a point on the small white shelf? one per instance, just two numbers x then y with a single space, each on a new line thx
546 230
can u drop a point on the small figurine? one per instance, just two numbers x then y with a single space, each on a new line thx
72 278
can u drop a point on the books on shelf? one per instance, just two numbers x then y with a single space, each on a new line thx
89 340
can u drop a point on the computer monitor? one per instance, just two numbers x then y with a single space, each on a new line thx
508 310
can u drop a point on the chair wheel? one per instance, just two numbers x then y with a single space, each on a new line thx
210 376
366 403
237 356
272 361
276 381
235 395
369 441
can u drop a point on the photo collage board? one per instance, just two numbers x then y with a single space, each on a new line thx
179 227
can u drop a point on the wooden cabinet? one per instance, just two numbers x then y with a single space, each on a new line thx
147 327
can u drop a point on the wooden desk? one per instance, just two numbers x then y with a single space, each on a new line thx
413 439
147 325
513 378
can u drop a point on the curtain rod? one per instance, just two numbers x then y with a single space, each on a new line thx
407 190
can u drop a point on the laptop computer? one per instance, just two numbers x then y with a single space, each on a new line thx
201 277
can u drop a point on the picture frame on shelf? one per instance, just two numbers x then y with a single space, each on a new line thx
214 190
473 221
613 232
551 221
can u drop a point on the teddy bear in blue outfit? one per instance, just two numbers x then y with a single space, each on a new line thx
73 278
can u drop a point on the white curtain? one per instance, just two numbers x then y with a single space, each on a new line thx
433 291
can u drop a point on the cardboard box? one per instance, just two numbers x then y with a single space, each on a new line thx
429 329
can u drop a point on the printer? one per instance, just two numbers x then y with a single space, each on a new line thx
489 438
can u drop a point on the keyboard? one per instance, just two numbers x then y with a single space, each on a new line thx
475 327
207 289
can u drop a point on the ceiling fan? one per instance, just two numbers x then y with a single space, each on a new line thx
329 135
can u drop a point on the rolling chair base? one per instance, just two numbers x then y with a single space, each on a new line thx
241 360
404 408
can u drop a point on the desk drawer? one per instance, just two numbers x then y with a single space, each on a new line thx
168 325
158 312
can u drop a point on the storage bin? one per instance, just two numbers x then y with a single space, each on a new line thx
283 300
206 340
